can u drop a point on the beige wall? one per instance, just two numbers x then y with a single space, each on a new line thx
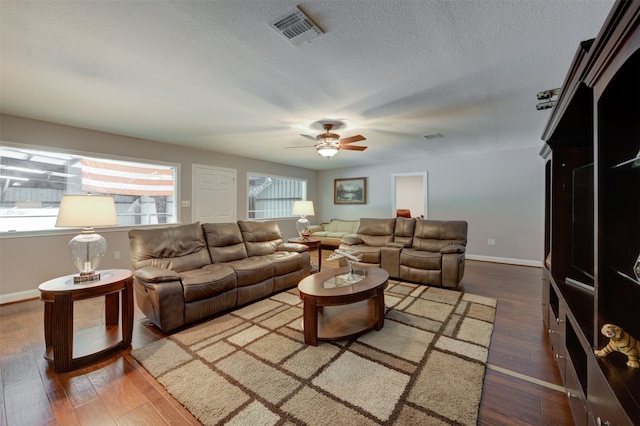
500 194
26 261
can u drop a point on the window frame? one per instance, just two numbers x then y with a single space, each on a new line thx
249 211
96 156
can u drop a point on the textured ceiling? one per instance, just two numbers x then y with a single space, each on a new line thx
214 75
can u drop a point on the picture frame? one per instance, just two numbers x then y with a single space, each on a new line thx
350 191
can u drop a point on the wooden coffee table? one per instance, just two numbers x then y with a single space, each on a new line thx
334 312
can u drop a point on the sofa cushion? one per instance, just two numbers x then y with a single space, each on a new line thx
252 270
207 282
322 234
376 232
420 259
260 238
180 248
336 235
224 241
425 276
433 235
370 254
342 226
404 231
151 274
286 262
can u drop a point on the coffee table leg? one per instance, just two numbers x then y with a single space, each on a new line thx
310 318
62 332
380 307
48 321
127 313
112 308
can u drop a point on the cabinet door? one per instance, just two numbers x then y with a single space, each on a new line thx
577 400
546 288
559 330
554 339
604 405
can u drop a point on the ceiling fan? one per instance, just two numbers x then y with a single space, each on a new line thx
328 144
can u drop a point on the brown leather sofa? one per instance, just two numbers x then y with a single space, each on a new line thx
189 272
424 251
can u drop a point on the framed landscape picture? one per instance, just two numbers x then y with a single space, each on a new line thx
350 191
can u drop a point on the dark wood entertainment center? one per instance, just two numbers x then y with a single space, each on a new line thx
593 178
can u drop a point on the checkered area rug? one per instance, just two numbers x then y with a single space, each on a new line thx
252 367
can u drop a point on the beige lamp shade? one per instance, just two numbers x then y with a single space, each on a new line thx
303 208
87 211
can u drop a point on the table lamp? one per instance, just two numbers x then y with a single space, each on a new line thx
303 209
87 248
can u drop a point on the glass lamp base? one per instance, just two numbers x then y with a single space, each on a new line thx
302 226
87 250
85 277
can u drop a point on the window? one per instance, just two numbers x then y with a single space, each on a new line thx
272 197
32 183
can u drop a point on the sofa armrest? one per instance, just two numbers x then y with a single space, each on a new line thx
162 302
315 228
390 259
296 247
351 239
152 274
452 269
453 248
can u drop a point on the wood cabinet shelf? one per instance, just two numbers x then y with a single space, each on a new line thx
592 220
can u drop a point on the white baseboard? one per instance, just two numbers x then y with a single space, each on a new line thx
507 260
19 296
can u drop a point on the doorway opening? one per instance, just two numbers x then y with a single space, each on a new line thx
409 191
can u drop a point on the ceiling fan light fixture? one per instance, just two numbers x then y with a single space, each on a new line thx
327 151
328 144
328 138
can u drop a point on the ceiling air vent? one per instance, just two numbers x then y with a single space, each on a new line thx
296 26
433 136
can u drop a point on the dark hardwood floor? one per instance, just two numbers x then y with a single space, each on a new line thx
522 384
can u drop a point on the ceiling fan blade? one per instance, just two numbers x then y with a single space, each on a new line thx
353 147
301 146
309 137
356 138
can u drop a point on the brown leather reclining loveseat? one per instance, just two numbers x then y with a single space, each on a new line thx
424 251
188 272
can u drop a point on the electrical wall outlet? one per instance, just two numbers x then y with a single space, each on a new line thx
116 255
491 242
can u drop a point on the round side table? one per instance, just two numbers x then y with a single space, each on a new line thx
68 351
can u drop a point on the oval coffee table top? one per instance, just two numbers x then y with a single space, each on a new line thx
323 283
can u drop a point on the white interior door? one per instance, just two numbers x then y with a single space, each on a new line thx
409 191
214 194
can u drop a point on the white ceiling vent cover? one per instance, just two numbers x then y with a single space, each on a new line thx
296 26
434 136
